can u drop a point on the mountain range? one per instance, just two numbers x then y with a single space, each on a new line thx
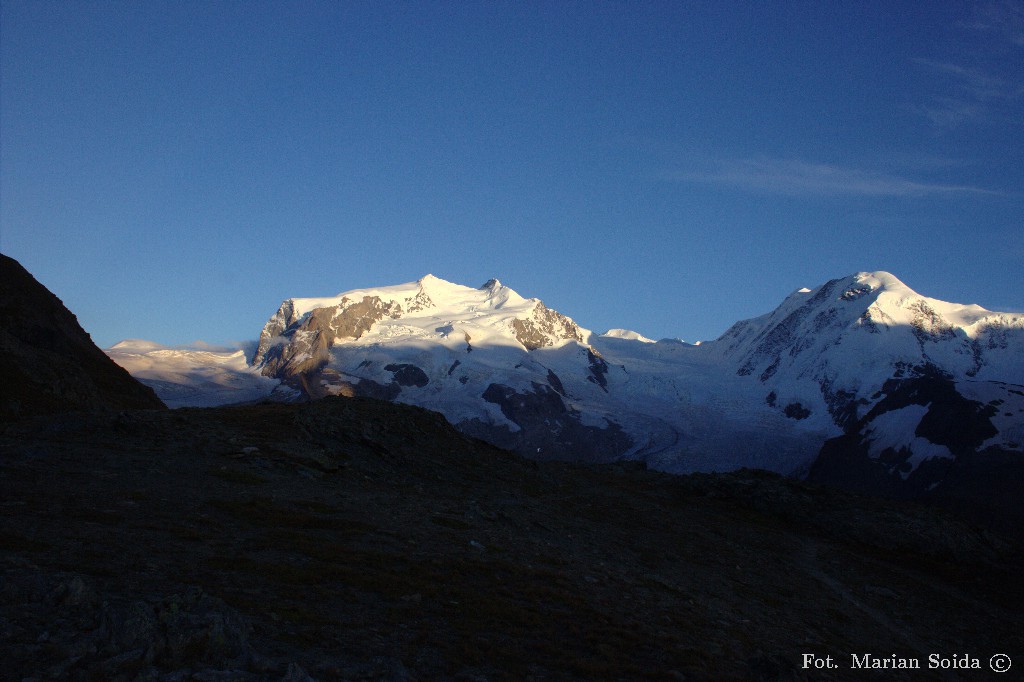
859 381
352 538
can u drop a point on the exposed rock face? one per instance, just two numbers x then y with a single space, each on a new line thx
421 301
925 439
284 318
598 369
409 375
545 327
455 349
330 383
796 411
556 383
290 346
48 363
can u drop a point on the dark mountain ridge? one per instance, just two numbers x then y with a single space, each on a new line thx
48 362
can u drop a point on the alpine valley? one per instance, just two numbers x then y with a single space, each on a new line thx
860 382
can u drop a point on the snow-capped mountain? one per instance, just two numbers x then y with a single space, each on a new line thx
909 380
834 346
500 366
861 362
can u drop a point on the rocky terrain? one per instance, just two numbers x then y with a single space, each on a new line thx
354 539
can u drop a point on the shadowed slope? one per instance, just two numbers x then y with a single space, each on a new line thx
358 539
48 362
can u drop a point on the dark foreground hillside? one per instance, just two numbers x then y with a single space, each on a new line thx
48 363
350 539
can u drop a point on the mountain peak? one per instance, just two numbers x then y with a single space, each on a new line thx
427 282
880 279
850 288
627 334
492 284
136 346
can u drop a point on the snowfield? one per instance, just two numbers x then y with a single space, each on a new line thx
192 377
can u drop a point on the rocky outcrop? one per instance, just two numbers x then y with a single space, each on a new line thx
48 363
289 346
273 330
598 369
545 327
296 347
409 375
925 440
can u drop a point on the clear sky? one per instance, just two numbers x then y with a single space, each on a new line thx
174 170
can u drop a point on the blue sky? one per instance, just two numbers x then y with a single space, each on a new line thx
174 170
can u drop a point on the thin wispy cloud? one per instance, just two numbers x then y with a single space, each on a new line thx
974 82
1004 19
804 178
972 95
985 90
949 112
